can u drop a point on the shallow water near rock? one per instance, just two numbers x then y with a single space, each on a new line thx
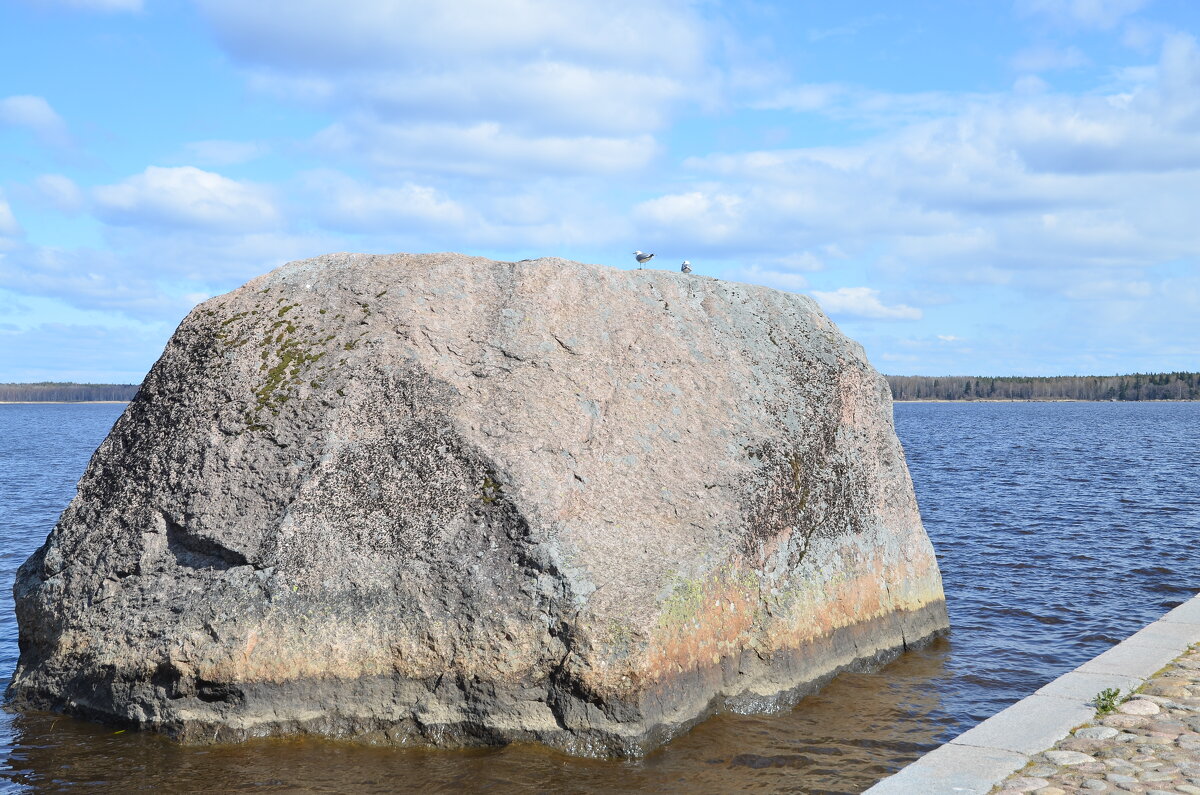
1061 528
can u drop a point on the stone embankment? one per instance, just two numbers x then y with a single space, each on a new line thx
441 499
1150 744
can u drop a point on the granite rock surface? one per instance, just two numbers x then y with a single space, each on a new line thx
440 499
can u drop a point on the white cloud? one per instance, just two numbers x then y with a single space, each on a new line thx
1004 185
533 65
59 192
861 105
802 98
706 216
9 228
89 353
482 88
784 280
949 338
863 302
1044 57
35 114
807 261
154 273
185 197
342 203
648 35
85 278
1109 289
1101 14
484 149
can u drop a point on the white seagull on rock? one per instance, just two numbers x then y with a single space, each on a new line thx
686 267
642 258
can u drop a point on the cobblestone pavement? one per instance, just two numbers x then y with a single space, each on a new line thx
1150 744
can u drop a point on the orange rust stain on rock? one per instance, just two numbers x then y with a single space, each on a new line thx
251 642
731 617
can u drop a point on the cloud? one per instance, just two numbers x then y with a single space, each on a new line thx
534 65
781 279
1003 187
86 278
646 35
341 203
154 273
485 149
706 216
59 192
1097 14
1044 58
185 197
863 302
1109 289
483 88
9 228
88 353
861 105
35 114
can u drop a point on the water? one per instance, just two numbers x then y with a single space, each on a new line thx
1061 528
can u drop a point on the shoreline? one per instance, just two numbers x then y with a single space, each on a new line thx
1034 400
56 402
1028 737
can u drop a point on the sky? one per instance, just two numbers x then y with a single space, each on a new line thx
999 187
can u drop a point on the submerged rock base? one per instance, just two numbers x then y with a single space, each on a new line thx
439 499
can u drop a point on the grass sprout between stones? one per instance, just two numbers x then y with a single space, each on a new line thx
1106 700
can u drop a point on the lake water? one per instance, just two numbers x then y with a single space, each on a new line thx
1061 528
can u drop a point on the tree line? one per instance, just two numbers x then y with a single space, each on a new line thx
1139 386
55 392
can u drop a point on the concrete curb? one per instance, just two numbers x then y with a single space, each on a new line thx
984 755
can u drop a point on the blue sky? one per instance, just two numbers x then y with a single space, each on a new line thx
991 188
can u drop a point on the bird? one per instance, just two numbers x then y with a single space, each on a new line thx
686 267
642 258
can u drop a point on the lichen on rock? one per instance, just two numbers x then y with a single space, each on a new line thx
439 499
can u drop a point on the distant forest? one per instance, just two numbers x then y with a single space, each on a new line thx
52 392
1139 386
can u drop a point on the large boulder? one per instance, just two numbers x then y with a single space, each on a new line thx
448 500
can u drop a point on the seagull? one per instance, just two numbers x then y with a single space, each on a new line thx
642 258
686 267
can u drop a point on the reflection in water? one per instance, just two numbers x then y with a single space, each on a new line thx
858 729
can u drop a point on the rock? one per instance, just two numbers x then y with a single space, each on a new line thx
1124 721
1080 744
1097 733
446 500
1139 706
1025 783
1122 780
1067 758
